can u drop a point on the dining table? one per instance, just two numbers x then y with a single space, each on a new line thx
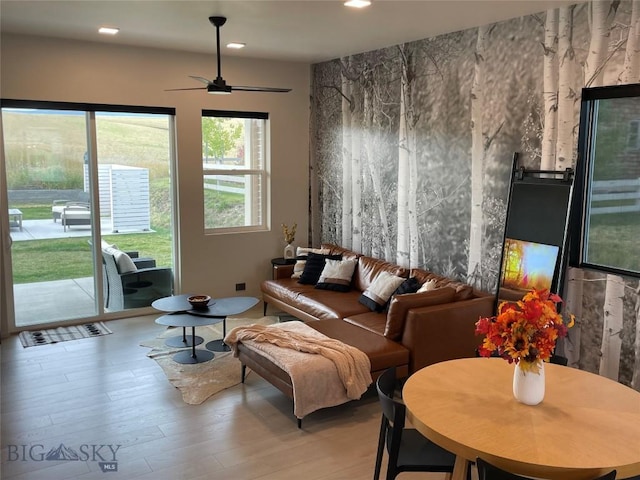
586 425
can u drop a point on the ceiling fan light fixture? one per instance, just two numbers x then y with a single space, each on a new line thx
236 45
357 3
108 30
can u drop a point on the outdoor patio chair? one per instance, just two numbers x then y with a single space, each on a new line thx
75 214
58 206
126 286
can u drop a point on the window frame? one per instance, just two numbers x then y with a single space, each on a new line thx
262 174
580 220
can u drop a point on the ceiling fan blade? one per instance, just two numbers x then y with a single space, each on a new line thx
260 89
178 89
201 79
219 85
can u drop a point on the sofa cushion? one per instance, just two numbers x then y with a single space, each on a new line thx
336 275
369 268
373 321
463 291
329 304
379 292
382 352
301 259
401 304
314 266
285 289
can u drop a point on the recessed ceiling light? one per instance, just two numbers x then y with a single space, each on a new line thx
357 3
236 45
108 30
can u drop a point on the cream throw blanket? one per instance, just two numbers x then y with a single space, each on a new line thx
324 372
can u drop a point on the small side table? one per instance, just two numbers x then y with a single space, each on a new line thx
280 262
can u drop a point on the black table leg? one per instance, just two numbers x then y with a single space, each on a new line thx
183 341
193 356
219 345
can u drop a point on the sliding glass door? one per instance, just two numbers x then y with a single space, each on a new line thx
82 186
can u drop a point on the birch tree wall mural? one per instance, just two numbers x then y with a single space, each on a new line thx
412 147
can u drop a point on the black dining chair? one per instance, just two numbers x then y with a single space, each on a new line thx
407 449
486 471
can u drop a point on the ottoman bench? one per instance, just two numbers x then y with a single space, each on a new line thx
382 354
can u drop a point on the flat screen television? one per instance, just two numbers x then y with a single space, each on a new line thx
525 266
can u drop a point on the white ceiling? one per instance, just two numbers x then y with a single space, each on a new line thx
307 31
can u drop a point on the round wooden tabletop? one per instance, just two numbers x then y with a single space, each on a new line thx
587 425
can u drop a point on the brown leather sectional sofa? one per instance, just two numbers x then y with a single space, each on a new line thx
418 329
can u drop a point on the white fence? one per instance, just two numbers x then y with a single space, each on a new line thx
221 183
626 192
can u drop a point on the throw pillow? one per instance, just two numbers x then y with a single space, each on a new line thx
301 259
428 286
379 292
401 304
336 275
123 261
410 285
314 266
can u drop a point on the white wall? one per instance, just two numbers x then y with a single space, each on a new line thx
38 68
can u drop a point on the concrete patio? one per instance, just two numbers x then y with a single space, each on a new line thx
46 302
43 229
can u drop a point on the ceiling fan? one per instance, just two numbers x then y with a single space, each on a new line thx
219 86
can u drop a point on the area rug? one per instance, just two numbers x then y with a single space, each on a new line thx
202 380
32 338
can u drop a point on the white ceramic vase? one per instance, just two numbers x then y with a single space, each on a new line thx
289 252
528 386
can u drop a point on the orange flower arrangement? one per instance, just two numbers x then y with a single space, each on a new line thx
524 332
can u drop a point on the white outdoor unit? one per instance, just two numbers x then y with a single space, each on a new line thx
124 196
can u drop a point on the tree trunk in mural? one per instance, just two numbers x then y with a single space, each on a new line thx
407 248
403 235
356 179
347 128
564 155
370 159
611 339
602 15
550 93
414 234
566 92
631 70
477 159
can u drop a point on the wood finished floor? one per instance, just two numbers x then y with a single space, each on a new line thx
105 391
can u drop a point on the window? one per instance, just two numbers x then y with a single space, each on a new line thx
235 170
605 218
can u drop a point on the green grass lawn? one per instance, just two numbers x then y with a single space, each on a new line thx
613 240
64 258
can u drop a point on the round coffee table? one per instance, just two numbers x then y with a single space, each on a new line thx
185 320
173 304
217 310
